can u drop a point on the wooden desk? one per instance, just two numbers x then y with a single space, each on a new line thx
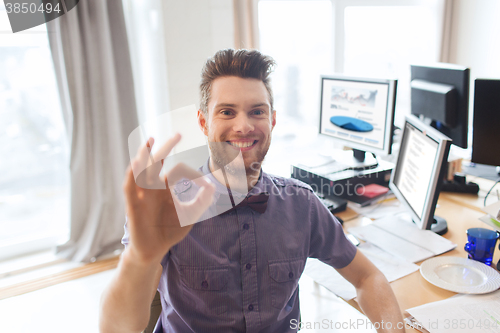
461 211
473 201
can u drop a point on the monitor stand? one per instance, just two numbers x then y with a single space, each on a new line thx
439 225
353 160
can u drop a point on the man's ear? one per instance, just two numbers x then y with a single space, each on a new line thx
273 121
202 122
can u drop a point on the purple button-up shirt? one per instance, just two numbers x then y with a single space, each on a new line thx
239 271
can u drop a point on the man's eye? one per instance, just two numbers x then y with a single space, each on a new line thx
226 112
258 112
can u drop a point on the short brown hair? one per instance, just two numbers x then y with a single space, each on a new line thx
240 63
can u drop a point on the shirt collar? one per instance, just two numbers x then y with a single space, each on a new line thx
222 189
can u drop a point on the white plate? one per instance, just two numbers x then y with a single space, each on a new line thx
460 275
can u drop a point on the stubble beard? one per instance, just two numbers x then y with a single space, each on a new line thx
224 156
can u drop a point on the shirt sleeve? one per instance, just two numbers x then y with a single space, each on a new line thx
125 238
328 241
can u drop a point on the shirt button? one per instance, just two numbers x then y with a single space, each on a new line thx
250 307
290 275
246 226
248 266
185 183
204 284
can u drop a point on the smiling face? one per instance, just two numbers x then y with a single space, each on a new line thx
239 118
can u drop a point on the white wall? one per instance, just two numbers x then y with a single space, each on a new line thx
475 37
170 41
475 41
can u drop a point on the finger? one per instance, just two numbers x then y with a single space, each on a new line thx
148 143
204 198
143 158
148 171
182 171
190 212
152 169
149 178
203 182
129 187
164 150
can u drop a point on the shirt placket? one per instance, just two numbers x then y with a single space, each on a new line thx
248 263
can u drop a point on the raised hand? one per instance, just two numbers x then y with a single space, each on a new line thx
157 220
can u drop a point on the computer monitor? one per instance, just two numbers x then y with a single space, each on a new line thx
415 179
358 112
485 130
440 96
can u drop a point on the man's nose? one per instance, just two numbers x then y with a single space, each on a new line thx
243 124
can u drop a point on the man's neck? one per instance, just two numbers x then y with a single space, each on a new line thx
238 181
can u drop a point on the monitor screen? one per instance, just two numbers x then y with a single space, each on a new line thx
419 167
486 121
440 94
358 111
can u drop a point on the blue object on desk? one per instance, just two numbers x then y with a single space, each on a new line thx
481 244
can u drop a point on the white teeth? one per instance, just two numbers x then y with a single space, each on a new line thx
241 144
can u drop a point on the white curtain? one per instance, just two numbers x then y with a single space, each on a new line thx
92 62
246 30
447 30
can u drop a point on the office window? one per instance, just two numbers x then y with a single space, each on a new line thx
378 38
34 162
299 36
383 41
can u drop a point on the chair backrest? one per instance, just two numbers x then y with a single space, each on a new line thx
155 313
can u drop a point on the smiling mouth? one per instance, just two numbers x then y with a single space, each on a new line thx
242 144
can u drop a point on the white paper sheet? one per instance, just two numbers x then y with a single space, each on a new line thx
388 206
493 210
461 313
392 267
403 239
408 231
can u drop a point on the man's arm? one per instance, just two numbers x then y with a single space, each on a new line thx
125 305
375 296
154 225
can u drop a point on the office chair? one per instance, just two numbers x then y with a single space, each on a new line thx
155 313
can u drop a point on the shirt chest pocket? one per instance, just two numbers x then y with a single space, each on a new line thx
206 288
284 276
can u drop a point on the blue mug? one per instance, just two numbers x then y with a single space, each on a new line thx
481 244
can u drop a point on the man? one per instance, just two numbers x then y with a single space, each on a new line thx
237 271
